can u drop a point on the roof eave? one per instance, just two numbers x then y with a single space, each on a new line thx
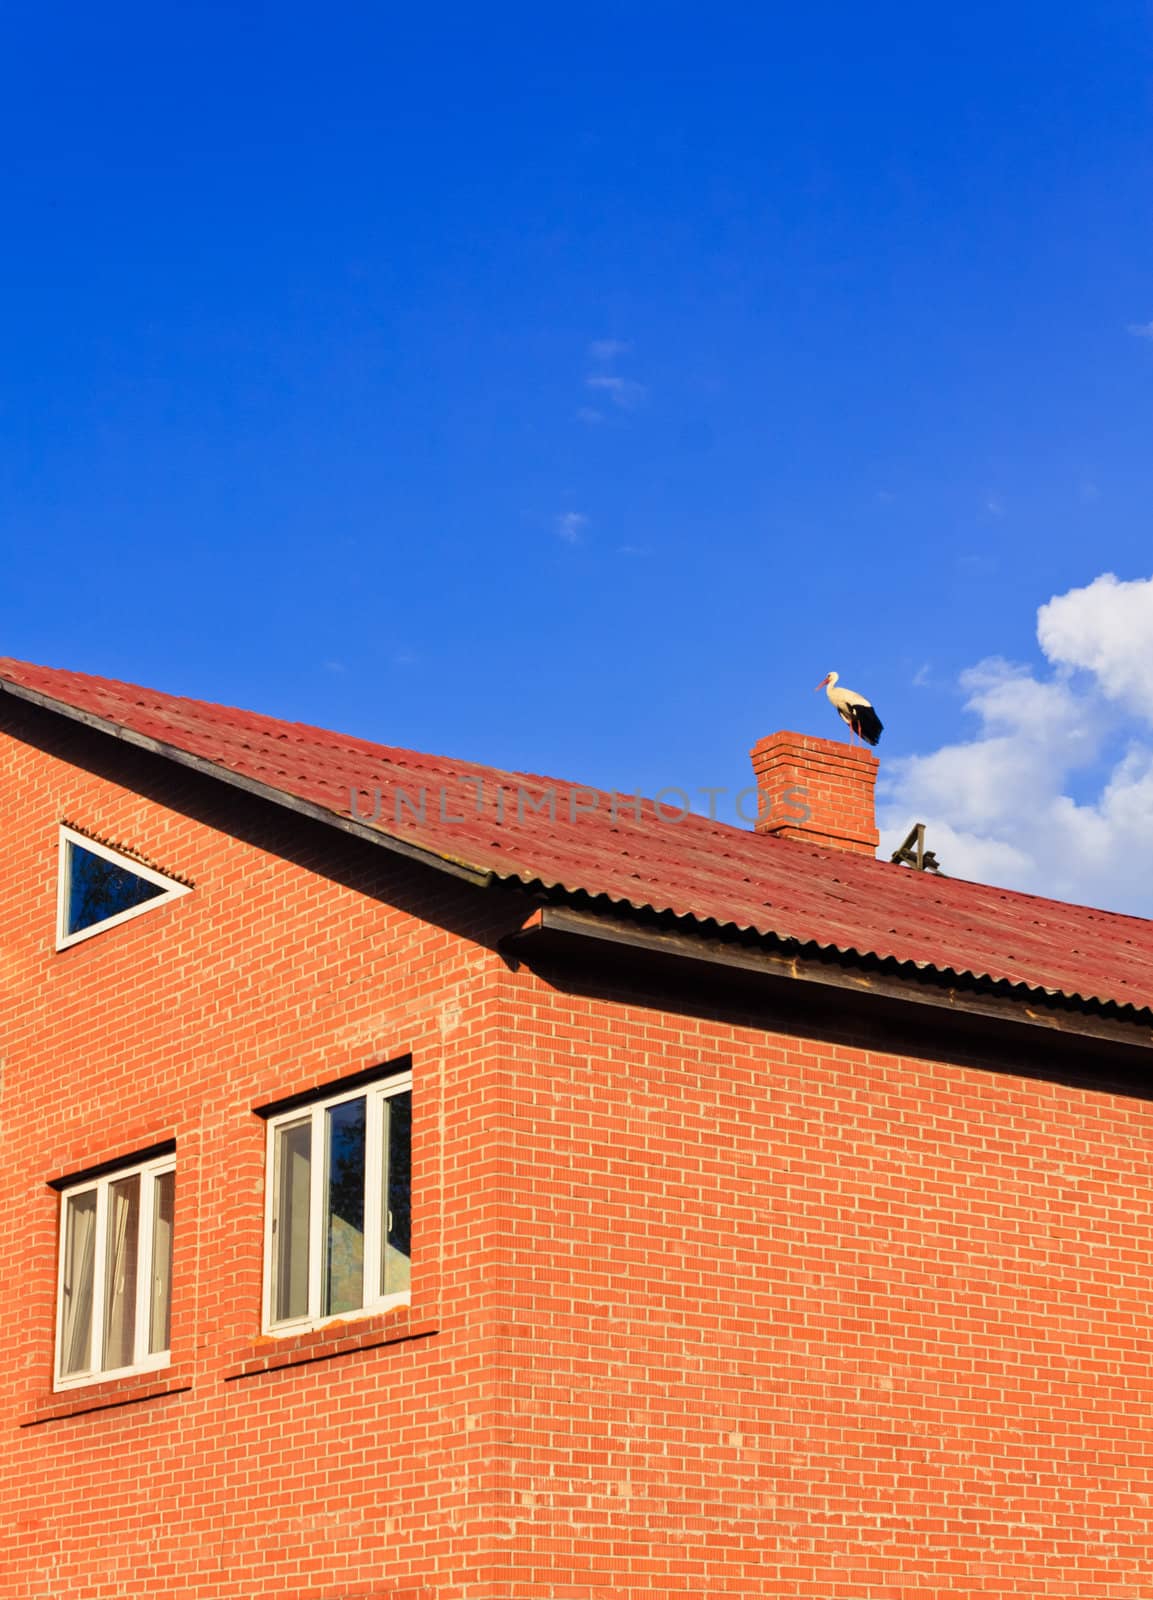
560 927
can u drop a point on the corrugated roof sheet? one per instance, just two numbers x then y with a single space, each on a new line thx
566 837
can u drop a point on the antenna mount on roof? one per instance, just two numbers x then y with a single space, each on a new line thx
912 853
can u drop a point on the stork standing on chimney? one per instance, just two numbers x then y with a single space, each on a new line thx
853 708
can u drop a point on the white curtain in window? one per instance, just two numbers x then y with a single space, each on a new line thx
120 1274
79 1266
291 1222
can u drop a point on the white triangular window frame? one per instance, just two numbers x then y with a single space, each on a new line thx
172 890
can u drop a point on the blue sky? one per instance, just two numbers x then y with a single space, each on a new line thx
572 390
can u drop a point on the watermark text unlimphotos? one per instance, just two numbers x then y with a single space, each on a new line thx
467 798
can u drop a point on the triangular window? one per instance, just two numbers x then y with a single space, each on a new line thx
99 888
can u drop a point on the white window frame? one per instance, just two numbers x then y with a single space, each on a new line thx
69 837
373 1094
143 1359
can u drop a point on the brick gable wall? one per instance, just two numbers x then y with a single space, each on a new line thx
292 963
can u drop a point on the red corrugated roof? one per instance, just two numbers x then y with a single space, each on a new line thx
483 819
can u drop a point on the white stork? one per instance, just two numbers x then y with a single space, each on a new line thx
853 708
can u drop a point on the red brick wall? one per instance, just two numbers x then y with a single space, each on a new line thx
717 1311
805 1320
366 1473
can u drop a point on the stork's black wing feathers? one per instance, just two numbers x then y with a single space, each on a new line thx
866 723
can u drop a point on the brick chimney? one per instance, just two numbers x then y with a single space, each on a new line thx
834 782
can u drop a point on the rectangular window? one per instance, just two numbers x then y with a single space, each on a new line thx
115 1288
338 1217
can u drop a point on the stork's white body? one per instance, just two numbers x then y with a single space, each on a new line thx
853 709
844 698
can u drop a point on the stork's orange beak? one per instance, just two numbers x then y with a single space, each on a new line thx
822 683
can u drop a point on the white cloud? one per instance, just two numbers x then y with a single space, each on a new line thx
623 392
1105 629
1001 808
1141 330
570 526
626 394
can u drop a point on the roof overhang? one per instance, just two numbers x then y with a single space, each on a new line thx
562 932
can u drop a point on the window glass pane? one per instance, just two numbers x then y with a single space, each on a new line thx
344 1208
292 1181
396 1234
160 1312
79 1263
121 1251
99 889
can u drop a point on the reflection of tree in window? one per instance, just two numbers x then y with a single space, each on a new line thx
99 889
397 1230
344 1290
